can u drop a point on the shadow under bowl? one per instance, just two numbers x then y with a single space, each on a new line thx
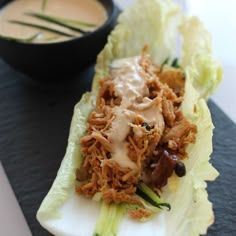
50 62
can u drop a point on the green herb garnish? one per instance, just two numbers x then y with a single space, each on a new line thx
73 21
42 27
54 20
44 4
165 62
26 40
175 63
53 38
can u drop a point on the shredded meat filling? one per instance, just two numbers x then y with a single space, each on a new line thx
155 132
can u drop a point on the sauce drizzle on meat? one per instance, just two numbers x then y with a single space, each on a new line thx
136 133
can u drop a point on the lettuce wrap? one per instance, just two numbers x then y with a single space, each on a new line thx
168 34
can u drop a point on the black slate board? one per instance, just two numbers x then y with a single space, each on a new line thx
34 126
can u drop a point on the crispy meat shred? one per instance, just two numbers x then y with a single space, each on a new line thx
136 133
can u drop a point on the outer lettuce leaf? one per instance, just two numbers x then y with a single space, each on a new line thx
59 191
63 212
191 212
197 58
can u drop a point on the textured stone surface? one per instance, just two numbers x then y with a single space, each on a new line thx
34 126
222 192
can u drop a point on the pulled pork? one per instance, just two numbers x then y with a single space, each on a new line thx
136 133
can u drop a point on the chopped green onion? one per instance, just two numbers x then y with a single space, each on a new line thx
48 39
73 21
42 27
44 4
165 62
29 39
175 63
54 20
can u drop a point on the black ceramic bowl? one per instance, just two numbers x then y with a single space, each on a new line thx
58 60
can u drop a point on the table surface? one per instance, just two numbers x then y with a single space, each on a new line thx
55 104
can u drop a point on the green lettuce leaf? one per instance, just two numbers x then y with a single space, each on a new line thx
191 212
65 178
197 59
154 23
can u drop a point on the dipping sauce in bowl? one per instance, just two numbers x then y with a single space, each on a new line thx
51 57
86 15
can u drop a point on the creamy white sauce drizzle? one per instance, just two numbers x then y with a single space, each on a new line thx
132 88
